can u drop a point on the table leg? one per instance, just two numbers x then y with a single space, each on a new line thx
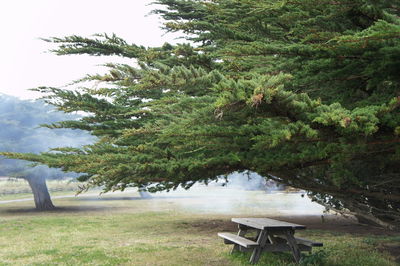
261 240
293 245
272 239
242 232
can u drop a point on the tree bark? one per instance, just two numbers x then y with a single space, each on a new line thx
40 193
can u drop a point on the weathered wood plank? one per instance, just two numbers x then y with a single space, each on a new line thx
293 245
244 242
283 247
308 242
273 236
242 232
264 223
261 241
274 248
276 240
299 240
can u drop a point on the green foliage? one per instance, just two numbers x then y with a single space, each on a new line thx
303 92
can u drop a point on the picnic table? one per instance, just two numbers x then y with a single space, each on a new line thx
271 236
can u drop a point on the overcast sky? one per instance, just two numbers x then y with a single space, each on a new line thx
24 62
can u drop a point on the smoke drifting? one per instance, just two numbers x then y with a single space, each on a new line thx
20 132
250 181
242 194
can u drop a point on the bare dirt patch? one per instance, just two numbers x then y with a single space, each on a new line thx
331 223
64 209
336 223
213 226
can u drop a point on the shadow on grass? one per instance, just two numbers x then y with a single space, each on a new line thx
109 198
63 209
113 198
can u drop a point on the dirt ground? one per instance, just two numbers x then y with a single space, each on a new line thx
336 223
330 223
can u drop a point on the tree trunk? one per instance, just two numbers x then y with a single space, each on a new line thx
143 193
40 193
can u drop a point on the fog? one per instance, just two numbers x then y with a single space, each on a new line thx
20 131
239 194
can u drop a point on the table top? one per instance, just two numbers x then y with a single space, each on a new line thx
265 223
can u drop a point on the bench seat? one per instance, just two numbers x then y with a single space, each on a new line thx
299 241
230 238
308 243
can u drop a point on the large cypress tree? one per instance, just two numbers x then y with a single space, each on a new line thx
303 92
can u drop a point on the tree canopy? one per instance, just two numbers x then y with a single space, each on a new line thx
302 92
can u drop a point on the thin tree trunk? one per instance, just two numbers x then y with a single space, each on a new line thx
143 193
40 193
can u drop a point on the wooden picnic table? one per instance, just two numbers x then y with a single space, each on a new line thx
271 236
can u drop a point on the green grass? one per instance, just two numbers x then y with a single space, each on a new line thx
150 232
29 195
19 188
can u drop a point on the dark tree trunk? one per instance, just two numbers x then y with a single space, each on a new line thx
40 193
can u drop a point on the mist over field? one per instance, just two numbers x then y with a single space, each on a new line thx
20 131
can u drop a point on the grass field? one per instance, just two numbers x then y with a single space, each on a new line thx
181 229
16 188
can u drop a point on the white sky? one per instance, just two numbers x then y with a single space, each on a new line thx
24 60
